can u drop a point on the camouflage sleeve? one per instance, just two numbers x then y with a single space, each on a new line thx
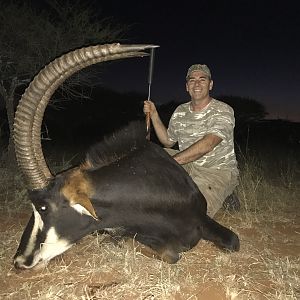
222 124
171 130
172 127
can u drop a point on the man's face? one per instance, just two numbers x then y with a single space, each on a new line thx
199 85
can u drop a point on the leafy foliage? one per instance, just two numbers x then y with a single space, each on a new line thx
33 35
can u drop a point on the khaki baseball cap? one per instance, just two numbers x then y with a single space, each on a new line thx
198 67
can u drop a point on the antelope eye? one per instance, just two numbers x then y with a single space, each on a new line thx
43 208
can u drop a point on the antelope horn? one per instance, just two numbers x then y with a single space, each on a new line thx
31 108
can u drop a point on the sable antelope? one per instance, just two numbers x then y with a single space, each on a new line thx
127 185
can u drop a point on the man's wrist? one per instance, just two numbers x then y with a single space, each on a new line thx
154 116
178 158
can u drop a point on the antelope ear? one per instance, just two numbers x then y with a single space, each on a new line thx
77 191
84 206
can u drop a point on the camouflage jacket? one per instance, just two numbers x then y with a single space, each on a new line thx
187 127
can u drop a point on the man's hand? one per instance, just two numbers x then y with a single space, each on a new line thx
159 127
149 107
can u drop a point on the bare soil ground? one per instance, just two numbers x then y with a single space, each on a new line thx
266 267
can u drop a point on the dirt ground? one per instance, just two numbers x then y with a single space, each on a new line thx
266 267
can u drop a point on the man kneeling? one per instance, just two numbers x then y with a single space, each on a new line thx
204 130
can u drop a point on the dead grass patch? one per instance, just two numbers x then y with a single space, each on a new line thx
266 267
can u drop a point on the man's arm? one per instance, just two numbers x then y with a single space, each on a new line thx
198 149
158 125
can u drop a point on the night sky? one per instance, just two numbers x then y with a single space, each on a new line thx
251 47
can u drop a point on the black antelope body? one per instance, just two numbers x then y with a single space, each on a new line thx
128 185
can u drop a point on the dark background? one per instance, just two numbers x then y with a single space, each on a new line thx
251 47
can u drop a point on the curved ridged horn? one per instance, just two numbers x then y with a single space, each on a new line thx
31 108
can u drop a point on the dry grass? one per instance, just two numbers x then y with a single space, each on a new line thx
267 266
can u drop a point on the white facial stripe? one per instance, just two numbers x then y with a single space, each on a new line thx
53 245
38 219
38 224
